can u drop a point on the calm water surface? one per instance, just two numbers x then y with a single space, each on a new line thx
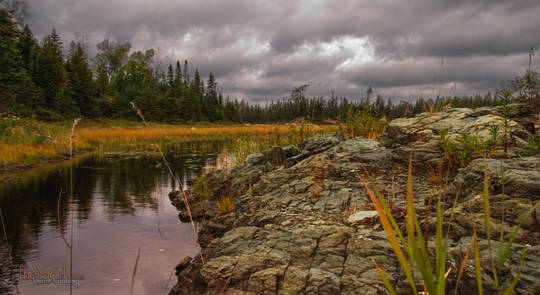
120 205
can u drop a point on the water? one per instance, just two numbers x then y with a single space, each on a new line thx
120 205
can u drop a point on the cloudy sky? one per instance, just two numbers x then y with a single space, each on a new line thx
260 50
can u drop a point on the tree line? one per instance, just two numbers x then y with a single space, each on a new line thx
38 80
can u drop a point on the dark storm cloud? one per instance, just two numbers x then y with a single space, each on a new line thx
424 70
261 49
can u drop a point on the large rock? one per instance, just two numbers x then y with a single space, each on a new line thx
458 121
309 227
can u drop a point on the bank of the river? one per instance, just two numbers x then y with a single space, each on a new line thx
303 223
25 143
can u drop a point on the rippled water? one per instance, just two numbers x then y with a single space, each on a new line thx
120 205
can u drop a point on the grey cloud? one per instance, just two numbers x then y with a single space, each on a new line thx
482 42
423 71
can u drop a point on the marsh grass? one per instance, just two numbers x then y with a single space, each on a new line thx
411 248
26 141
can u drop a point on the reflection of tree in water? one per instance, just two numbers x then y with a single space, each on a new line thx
121 185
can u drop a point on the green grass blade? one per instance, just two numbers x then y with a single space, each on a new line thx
487 226
416 243
504 255
512 286
501 244
440 250
477 267
386 283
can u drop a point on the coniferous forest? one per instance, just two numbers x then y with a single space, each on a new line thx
48 80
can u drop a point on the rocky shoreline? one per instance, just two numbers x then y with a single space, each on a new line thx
303 223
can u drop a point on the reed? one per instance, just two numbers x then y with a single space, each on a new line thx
71 137
181 189
222 291
134 271
59 220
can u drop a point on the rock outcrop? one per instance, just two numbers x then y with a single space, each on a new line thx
303 223
459 121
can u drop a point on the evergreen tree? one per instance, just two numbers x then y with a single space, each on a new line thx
28 48
17 93
178 73
51 74
170 76
80 84
186 75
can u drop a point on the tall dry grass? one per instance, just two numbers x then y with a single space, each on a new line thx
176 182
26 149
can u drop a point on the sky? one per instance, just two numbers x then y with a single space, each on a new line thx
260 50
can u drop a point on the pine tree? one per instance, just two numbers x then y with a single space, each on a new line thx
80 86
51 74
17 93
170 76
178 73
28 47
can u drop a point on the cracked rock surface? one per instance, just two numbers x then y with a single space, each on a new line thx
303 223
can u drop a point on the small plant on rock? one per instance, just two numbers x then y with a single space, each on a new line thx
505 98
449 147
495 138
226 204
533 146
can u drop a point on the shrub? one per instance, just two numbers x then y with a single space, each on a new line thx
362 124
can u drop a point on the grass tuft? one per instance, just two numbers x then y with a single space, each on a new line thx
434 280
226 204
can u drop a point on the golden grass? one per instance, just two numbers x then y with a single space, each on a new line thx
11 153
131 133
107 139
